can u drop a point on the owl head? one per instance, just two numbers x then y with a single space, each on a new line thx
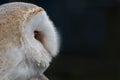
28 41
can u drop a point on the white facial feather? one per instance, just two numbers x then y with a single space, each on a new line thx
22 55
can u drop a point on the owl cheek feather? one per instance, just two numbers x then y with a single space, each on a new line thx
40 37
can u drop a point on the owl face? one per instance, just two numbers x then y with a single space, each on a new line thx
28 41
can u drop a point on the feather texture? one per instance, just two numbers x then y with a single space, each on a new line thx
28 41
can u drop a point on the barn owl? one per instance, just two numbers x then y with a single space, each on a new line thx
28 41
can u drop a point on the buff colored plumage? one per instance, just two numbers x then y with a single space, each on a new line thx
23 53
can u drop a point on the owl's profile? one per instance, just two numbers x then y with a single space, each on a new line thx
28 41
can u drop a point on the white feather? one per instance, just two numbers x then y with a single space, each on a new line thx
32 58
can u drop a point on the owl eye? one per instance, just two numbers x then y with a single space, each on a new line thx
38 36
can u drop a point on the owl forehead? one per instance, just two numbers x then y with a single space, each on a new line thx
12 19
16 13
12 7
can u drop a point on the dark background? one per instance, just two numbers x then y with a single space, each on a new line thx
90 38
